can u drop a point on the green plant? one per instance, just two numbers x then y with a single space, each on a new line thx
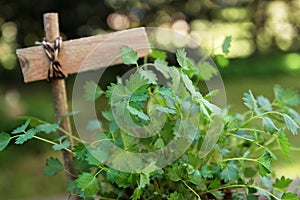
236 165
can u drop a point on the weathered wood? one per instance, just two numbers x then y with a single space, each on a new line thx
59 96
83 54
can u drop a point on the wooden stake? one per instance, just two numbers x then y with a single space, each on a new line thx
59 95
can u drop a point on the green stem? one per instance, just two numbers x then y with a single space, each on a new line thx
191 189
240 159
71 135
49 142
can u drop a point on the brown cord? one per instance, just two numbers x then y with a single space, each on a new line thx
52 50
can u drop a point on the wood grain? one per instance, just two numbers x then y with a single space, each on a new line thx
83 54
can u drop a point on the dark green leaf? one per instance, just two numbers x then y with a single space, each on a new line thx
291 124
176 196
282 183
92 160
252 197
229 174
175 173
206 172
196 179
88 184
284 143
22 128
264 164
269 126
79 150
226 44
250 101
289 196
122 179
26 136
288 97
264 103
4 140
91 91
53 166
64 145
128 55
46 128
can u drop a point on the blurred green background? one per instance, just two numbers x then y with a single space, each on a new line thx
264 52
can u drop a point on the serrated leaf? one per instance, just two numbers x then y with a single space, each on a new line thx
282 183
46 128
196 179
175 173
217 194
91 91
288 97
26 136
72 113
165 109
268 124
226 44
79 150
264 164
289 196
250 101
176 196
128 55
157 54
206 172
159 143
4 140
122 179
188 84
291 124
181 58
92 160
140 114
229 174
148 75
53 166
88 184
264 103
221 61
284 143
206 70
64 145
22 128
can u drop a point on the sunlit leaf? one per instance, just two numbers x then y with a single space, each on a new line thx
284 143
282 183
128 55
291 124
226 44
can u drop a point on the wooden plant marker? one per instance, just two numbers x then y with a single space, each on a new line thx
72 57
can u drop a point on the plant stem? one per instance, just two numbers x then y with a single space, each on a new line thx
191 189
49 142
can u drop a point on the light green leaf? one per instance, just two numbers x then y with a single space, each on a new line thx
181 58
250 101
148 75
88 184
289 196
282 183
264 103
157 54
291 124
140 114
288 97
91 91
64 145
144 180
229 174
53 166
268 124
188 84
4 140
22 128
128 55
159 143
284 143
221 61
206 70
136 193
26 136
226 44
217 194
166 110
46 128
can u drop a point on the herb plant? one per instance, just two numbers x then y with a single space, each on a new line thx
236 166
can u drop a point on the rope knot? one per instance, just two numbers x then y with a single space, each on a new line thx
52 50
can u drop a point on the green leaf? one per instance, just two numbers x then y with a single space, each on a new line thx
264 103
217 194
264 164
157 54
53 166
136 193
181 58
289 196
88 184
291 124
94 125
4 140
159 143
128 55
122 179
22 128
229 174
165 109
26 136
282 183
79 150
92 160
91 91
64 145
148 75
188 84
144 180
268 124
250 101
252 197
196 179
226 44
46 128
176 196
176 172
206 172
284 143
140 114
221 61
206 70
288 97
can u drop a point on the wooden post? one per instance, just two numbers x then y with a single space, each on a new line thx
51 27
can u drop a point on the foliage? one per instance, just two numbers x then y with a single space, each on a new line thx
238 166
